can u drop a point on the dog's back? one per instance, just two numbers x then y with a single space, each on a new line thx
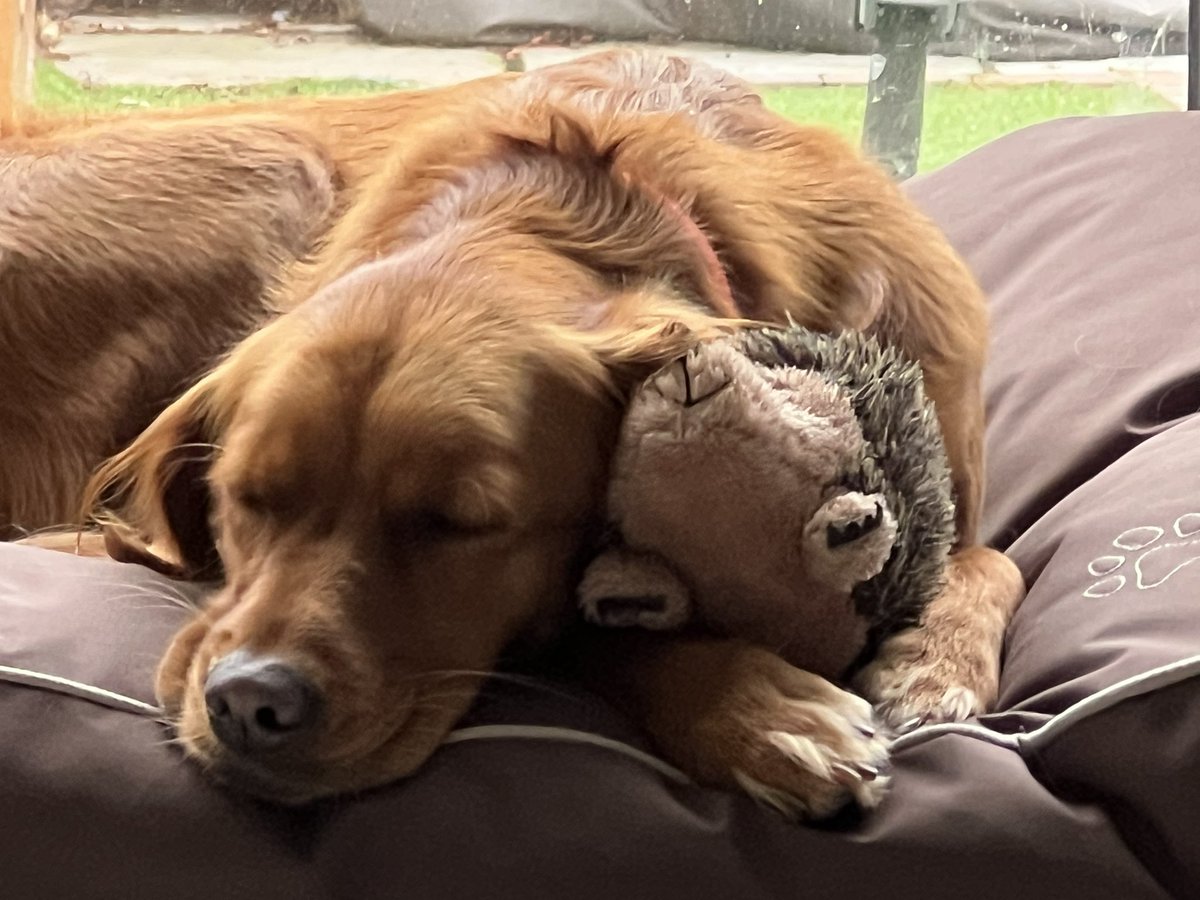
137 249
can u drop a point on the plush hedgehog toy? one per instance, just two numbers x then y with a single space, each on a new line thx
782 486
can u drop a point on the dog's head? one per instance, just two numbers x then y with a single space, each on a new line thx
394 480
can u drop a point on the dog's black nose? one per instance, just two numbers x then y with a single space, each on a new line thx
258 703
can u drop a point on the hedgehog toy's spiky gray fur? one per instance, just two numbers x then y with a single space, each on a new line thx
783 486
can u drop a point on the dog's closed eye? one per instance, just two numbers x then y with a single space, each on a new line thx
252 501
259 500
432 525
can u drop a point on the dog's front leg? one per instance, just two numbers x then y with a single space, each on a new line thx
947 668
735 716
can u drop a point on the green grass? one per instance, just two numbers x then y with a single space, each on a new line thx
961 117
56 91
958 117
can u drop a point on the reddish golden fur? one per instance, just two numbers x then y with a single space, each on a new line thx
107 314
408 464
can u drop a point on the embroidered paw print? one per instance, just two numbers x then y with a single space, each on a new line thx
1157 555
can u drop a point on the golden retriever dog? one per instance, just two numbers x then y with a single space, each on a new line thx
403 472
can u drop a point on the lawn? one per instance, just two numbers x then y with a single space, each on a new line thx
961 117
54 90
958 117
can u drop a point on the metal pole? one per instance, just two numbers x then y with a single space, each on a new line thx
1193 54
896 92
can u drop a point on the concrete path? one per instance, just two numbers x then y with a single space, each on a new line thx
237 59
234 50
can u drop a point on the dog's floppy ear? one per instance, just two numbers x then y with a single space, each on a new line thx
625 337
152 499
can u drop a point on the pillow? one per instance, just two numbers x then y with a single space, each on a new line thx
1154 807
1083 233
98 804
1085 243
1086 250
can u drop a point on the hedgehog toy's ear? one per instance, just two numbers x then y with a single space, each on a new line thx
626 589
849 538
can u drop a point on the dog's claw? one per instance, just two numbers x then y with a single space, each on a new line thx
846 775
852 774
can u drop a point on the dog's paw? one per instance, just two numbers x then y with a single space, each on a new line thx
913 685
948 668
625 589
795 742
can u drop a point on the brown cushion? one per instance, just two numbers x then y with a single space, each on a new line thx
1083 232
96 803
1114 584
1156 808
1085 245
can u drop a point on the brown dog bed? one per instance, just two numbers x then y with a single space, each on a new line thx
1087 784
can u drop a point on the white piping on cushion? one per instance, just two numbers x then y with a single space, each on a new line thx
1153 680
120 702
565 735
1134 686
77 689
925 733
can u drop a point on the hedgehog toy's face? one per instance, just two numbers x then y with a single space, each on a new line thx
735 475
